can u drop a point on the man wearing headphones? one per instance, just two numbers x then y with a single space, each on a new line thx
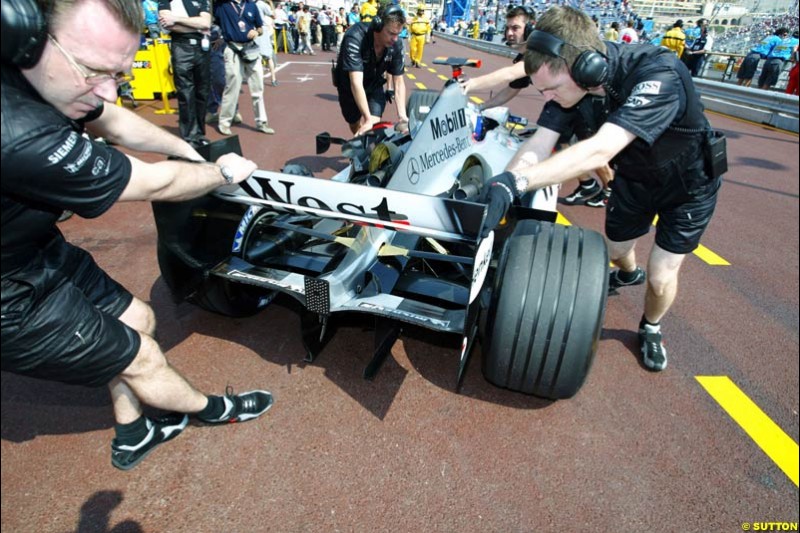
653 136
64 318
519 25
369 52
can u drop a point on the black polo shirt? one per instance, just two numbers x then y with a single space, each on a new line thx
650 95
47 167
357 54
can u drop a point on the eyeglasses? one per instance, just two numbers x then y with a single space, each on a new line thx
92 78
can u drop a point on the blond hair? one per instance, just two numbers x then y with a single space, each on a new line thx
575 28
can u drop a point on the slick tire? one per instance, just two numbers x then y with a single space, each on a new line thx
546 310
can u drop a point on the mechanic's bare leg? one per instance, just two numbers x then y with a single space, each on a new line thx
623 254
662 283
149 377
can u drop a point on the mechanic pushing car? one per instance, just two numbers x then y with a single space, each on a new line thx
369 52
666 158
64 318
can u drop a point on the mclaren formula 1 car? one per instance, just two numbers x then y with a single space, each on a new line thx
396 236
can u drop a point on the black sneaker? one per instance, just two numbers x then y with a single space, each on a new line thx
160 430
614 282
599 200
581 194
242 407
654 354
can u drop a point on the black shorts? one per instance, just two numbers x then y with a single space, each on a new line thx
682 217
770 72
61 319
347 102
748 67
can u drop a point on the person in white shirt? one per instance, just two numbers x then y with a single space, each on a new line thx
629 35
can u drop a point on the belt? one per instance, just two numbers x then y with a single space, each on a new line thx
412 33
190 41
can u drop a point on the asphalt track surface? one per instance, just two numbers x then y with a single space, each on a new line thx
632 451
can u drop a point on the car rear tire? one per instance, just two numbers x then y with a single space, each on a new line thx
193 237
546 311
213 294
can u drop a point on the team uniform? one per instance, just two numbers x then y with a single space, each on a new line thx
750 63
420 28
357 54
662 171
60 310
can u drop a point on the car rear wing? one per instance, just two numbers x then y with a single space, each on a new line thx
429 216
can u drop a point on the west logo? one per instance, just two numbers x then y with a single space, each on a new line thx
448 124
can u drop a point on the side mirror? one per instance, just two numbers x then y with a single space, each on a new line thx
324 141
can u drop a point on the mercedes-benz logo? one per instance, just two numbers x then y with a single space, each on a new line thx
413 171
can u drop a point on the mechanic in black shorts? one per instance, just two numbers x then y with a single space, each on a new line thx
63 317
369 52
653 137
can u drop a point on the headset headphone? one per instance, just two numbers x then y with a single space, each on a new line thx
24 32
590 68
378 21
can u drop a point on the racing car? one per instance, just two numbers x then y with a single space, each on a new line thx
397 236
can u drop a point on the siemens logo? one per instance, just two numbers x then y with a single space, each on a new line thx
452 122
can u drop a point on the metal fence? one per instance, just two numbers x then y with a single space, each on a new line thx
764 107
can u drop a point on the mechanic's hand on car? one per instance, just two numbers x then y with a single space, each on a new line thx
366 125
402 125
240 167
498 193
466 85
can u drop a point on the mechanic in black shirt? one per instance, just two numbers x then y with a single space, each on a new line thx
368 53
520 22
189 23
653 137
64 318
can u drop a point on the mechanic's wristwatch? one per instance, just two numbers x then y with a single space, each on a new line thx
227 174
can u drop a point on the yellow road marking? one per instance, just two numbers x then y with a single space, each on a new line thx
705 255
424 64
476 99
767 434
561 219
420 85
432 70
445 78
710 257
410 76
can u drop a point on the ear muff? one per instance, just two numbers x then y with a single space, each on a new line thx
528 30
379 20
590 68
24 32
530 24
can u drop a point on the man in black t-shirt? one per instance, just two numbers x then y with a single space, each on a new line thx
369 52
653 137
64 318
